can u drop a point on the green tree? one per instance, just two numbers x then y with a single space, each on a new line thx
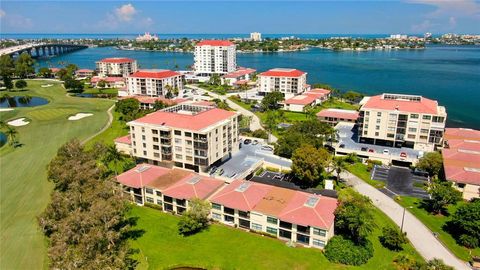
338 165
7 68
271 100
158 105
436 264
102 84
431 162
63 74
195 218
354 217
24 65
20 84
112 155
271 121
215 80
465 224
11 135
442 194
352 96
392 238
44 72
309 112
308 163
73 85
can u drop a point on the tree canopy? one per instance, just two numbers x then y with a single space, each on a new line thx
442 194
465 224
24 65
308 163
20 84
431 162
271 100
195 218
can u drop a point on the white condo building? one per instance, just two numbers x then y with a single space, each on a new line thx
402 120
215 57
290 82
116 67
153 82
256 36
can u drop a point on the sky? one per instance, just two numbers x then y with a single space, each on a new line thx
232 17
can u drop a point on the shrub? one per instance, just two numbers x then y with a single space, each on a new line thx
392 238
341 250
153 206
272 169
351 158
260 133
464 225
372 163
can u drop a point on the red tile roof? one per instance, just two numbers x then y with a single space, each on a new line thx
215 43
425 105
117 60
320 91
54 70
107 79
338 113
141 175
84 70
461 160
124 139
193 186
239 72
231 197
155 74
301 99
320 214
282 72
151 100
196 122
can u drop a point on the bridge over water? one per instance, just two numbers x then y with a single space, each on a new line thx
42 49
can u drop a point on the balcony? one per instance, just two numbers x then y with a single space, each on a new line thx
228 211
285 225
244 214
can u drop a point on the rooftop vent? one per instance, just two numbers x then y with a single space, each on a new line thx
475 170
312 201
195 179
243 187
142 168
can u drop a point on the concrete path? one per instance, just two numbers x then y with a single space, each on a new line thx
255 121
110 119
419 235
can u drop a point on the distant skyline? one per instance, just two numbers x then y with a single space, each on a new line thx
230 17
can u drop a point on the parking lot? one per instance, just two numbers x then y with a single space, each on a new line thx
347 140
400 181
247 159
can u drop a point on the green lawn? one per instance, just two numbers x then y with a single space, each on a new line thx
335 103
25 191
435 224
117 129
222 247
360 170
92 90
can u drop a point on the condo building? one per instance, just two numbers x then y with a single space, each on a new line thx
288 214
116 67
215 57
154 82
290 82
402 121
255 36
186 135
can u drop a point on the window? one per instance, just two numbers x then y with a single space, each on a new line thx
319 232
414 116
159 202
229 218
177 156
216 216
427 117
150 200
318 243
188 134
154 131
377 127
411 136
378 121
178 149
272 220
229 211
412 130
149 190
178 132
271 230
143 137
377 134
159 194
216 206
256 227
379 114
303 239
423 130
178 141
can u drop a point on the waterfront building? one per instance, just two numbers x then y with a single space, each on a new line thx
398 36
310 98
334 116
110 82
84 73
146 37
116 67
255 36
402 121
154 83
290 82
241 75
461 160
147 103
288 214
215 57
188 136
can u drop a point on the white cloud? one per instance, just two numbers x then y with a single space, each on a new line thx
2 13
125 12
451 7
15 22
424 26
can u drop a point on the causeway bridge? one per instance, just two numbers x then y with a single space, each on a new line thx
42 49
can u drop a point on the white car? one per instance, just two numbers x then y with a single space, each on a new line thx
386 152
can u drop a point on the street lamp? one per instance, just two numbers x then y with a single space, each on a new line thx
403 217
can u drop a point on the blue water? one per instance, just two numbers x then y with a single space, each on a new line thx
3 139
449 74
17 101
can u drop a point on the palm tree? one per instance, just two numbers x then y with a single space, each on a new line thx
12 135
271 122
338 165
113 155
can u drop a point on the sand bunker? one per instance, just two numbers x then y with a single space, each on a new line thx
18 122
6 109
46 85
79 116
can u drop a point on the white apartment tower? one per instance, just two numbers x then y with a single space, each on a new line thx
402 120
186 136
255 36
154 82
290 82
116 67
215 57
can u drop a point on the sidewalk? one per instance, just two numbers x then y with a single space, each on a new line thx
419 235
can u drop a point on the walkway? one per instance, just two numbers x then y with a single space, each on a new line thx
420 236
110 120
254 123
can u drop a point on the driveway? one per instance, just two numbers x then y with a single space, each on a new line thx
400 181
254 123
420 236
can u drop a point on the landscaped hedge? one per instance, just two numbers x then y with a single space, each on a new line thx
341 250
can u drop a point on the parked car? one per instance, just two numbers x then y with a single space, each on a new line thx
267 148
403 154
371 150
213 170
342 145
247 141
255 142
419 172
364 149
220 172
386 152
